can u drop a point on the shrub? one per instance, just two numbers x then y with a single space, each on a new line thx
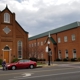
38 59
1 61
33 59
74 59
58 59
65 59
41 59
15 60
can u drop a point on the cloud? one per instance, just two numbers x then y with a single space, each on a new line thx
38 16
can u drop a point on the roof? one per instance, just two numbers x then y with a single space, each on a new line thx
57 30
6 8
52 40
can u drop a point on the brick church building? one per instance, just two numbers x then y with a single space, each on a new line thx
64 42
13 38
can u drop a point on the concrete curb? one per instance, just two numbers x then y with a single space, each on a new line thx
46 65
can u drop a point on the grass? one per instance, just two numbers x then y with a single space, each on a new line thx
39 63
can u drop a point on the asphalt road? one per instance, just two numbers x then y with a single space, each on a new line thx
60 72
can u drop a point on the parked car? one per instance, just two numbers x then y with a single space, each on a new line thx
22 64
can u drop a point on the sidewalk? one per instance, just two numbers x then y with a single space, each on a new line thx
0 67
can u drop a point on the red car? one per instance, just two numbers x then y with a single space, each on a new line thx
22 64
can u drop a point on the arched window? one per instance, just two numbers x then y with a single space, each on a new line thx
6 48
74 53
6 17
59 54
20 49
66 53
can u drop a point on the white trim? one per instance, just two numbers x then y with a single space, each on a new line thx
6 17
21 49
73 37
41 43
74 54
49 35
59 40
59 54
66 54
65 38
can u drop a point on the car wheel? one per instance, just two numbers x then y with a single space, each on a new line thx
31 66
13 67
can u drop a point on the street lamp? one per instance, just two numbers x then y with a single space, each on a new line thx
48 53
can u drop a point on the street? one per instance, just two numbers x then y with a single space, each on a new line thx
60 72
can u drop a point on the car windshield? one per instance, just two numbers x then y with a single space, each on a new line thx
20 61
26 60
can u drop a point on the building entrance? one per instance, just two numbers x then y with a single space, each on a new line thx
6 54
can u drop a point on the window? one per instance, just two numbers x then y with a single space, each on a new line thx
59 54
29 55
41 43
38 43
42 55
66 54
65 38
6 17
32 45
74 53
6 48
44 41
38 56
35 55
73 37
59 40
20 49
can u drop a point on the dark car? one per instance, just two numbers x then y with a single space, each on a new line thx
22 64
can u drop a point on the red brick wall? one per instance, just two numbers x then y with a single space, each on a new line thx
11 39
69 45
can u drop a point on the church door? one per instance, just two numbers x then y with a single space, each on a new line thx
6 56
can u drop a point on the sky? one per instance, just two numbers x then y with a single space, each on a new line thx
39 16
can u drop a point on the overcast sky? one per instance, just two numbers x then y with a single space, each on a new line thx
38 16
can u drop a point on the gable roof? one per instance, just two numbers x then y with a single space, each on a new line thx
6 8
57 30
51 39
21 27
